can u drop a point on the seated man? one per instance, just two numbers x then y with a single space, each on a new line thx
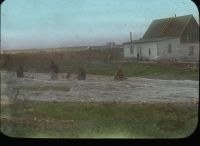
81 74
119 75
54 71
20 72
68 75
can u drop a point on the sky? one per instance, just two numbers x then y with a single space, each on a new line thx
28 24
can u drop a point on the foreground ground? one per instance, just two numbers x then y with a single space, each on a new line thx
42 119
97 88
98 107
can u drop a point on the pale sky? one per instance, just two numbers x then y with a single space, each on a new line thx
60 23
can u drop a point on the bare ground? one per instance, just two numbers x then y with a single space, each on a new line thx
38 86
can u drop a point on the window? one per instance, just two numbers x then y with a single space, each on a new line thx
131 49
191 50
169 48
149 52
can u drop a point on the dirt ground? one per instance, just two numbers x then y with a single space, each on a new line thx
97 88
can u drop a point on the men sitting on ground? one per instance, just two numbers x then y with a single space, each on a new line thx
81 74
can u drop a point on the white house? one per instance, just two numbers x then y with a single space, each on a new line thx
169 38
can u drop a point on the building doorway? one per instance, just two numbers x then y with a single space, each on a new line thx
139 53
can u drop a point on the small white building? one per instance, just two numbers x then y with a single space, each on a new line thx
175 38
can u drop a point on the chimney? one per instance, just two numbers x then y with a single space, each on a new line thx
131 37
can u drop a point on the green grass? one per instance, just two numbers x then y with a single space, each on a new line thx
160 71
154 70
100 120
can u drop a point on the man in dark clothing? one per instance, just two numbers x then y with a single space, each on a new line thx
81 74
54 71
68 75
119 74
20 72
137 56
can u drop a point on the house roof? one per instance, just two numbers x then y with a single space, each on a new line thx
167 27
151 39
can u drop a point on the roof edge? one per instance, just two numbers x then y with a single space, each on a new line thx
186 25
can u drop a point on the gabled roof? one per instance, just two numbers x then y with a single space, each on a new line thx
149 40
168 27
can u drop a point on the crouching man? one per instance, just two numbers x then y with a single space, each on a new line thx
81 74
119 74
54 71
20 72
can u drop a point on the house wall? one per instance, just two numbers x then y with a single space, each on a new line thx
163 48
185 49
179 51
127 52
145 49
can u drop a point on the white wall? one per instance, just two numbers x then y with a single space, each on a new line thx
163 48
179 51
184 49
145 49
160 49
127 53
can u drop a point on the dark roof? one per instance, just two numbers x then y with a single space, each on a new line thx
148 40
168 27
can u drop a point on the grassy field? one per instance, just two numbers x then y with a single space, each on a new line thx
98 120
147 70
161 71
